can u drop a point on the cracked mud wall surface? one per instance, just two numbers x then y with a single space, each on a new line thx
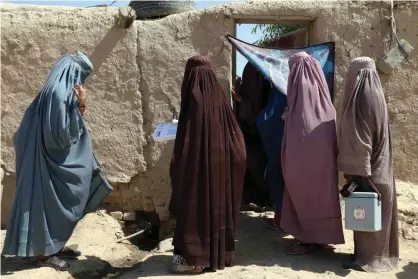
138 85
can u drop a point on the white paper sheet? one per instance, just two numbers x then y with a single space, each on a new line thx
165 131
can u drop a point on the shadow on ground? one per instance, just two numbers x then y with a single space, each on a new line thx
12 265
89 268
410 271
252 235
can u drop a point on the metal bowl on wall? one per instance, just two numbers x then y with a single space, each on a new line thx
159 9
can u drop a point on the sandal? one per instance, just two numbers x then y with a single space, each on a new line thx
187 270
306 248
56 263
68 253
180 266
269 222
299 249
353 266
252 207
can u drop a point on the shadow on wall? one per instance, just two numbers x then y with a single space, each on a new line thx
152 188
105 47
8 193
158 183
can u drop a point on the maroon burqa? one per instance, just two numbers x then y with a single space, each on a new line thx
311 208
207 171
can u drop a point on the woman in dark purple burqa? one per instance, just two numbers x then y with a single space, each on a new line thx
207 173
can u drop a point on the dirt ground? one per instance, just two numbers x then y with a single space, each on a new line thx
260 253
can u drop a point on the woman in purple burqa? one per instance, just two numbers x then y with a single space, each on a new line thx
365 155
311 207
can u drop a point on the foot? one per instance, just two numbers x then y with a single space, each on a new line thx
307 248
270 222
68 253
54 262
181 267
255 208
299 249
184 269
353 266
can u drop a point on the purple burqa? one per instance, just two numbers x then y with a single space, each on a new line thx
311 207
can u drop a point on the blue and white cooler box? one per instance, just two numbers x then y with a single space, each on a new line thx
363 212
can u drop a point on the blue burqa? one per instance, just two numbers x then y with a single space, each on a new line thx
271 127
58 179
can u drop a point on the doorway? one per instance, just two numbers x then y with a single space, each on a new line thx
253 94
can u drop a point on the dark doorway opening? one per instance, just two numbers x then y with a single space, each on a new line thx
253 93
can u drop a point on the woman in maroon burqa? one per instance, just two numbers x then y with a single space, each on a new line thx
207 173
365 155
311 208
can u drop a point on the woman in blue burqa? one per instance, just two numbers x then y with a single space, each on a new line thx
58 179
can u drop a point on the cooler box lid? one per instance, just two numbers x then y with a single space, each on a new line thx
362 195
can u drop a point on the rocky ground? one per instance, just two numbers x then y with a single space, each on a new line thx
259 255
